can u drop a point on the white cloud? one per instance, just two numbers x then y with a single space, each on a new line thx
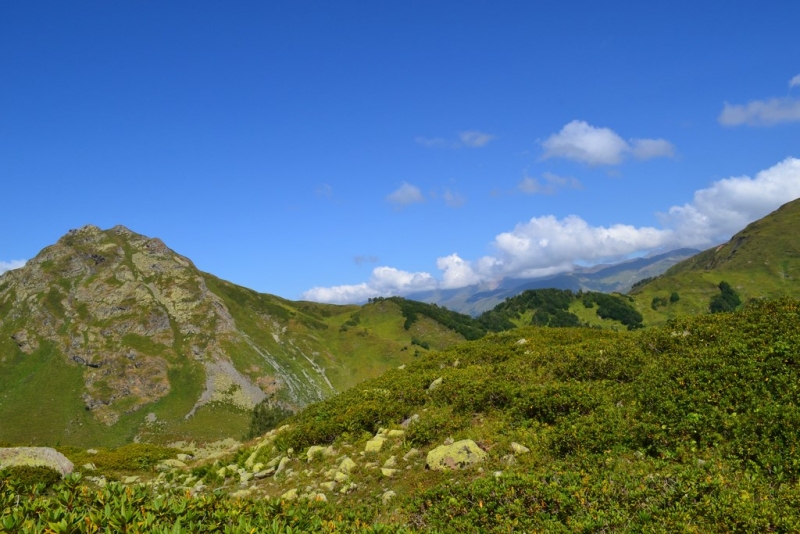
456 272
794 82
580 141
761 112
404 195
552 182
730 204
548 245
11 265
467 138
385 281
474 138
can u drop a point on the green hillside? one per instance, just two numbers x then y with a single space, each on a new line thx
763 260
109 336
688 427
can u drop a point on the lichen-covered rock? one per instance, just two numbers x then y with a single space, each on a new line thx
519 449
314 451
458 455
389 473
290 495
375 445
435 384
35 456
347 465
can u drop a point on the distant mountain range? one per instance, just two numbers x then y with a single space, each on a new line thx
618 277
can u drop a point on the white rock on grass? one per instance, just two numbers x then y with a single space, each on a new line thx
388 496
375 445
347 465
519 449
314 451
290 495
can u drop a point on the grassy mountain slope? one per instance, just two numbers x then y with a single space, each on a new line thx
109 336
763 260
689 427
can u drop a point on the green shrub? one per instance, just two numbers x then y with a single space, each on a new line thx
30 475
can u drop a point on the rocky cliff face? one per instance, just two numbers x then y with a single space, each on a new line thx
132 314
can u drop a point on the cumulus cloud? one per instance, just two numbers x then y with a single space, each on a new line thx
761 112
794 82
467 138
548 245
582 142
456 272
730 204
385 281
404 195
10 265
548 185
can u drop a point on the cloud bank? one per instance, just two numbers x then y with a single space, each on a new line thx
579 141
548 245
10 265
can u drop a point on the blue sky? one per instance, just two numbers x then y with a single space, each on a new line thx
342 150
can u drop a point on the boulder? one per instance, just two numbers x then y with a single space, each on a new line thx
35 456
375 444
314 451
290 495
458 455
435 384
347 465
519 449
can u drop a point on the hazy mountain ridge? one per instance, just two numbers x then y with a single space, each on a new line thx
617 277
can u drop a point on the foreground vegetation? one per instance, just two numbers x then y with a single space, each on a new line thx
687 427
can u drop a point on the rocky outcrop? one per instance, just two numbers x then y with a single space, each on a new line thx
132 314
35 456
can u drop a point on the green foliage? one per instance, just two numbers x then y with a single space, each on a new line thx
727 300
674 297
459 322
138 510
266 415
131 457
658 302
30 475
550 307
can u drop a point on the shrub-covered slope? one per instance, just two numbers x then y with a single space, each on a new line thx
690 427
